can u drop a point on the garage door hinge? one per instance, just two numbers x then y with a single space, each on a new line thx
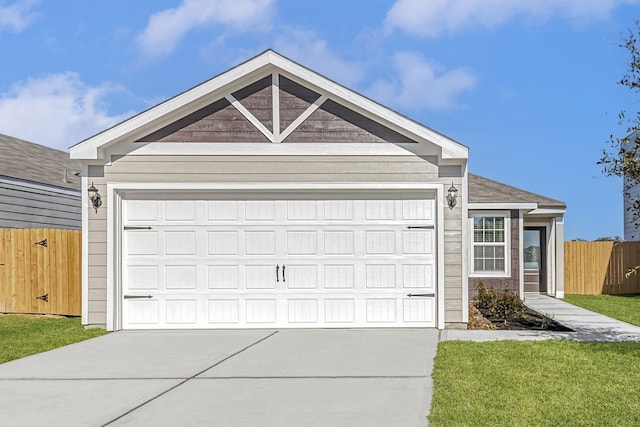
428 227
127 227
421 295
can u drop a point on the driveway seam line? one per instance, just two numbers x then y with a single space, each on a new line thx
187 379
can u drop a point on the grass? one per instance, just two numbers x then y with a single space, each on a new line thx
543 383
23 335
621 307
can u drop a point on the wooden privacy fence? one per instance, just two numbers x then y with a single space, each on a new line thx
593 268
40 271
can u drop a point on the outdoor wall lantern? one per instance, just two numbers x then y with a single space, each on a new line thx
452 196
94 196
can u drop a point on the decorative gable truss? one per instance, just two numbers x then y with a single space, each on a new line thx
275 109
268 99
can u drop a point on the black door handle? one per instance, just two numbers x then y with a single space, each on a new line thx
284 279
277 271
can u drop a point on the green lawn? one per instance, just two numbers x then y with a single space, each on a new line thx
23 335
544 383
621 307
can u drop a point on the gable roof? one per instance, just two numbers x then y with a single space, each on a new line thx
24 160
485 190
221 86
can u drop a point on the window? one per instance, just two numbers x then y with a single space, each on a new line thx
490 244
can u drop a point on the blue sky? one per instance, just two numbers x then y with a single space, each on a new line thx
528 85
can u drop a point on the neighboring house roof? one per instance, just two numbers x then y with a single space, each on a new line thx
27 161
485 190
265 64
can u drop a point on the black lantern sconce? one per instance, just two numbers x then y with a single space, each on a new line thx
452 196
94 196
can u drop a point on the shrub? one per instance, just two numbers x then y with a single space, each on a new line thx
508 306
501 306
485 297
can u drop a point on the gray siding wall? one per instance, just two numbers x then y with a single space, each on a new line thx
28 205
212 169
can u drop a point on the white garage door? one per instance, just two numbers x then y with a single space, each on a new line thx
279 263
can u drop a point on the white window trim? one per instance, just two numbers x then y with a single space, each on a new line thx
507 244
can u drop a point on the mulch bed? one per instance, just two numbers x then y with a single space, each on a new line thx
532 321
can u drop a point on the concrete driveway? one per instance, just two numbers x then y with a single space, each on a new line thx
253 378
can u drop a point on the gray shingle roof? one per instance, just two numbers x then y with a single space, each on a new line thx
484 190
36 163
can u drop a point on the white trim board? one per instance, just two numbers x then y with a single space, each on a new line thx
501 206
268 149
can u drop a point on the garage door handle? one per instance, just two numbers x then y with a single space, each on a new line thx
421 295
284 278
277 273
423 227
138 296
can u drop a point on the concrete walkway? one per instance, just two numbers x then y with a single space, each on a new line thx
588 326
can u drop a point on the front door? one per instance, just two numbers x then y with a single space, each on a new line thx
534 259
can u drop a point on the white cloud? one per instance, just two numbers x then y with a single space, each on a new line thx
166 28
420 84
436 17
306 48
15 16
57 110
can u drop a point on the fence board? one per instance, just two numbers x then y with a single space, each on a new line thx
32 270
593 268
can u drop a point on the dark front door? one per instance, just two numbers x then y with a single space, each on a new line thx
535 257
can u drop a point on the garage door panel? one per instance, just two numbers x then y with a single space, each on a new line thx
142 243
419 276
260 310
260 242
340 263
222 210
223 242
418 210
302 310
142 312
180 243
381 276
418 242
181 277
260 210
302 242
339 310
181 311
142 277
301 276
260 276
380 210
223 276
223 311
381 310
302 210
418 309
380 242
338 210
339 242
339 276
142 210
180 210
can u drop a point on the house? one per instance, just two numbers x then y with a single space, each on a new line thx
271 196
39 186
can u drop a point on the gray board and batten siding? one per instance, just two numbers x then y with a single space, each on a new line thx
39 186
